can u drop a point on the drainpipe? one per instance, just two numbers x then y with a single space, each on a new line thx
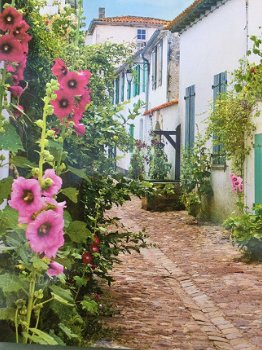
148 79
247 25
247 47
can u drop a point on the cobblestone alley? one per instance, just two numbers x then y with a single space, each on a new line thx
193 291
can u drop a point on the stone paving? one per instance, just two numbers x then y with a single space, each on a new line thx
191 292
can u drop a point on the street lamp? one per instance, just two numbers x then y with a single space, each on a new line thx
129 75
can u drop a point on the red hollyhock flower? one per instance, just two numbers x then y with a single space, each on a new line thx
10 19
18 111
63 104
25 42
10 49
16 90
87 74
80 129
74 83
59 69
20 30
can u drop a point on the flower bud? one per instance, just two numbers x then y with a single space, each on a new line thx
35 172
40 123
50 133
46 183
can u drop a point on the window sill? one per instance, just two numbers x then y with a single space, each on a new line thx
219 167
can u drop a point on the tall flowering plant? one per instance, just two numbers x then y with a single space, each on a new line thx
35 240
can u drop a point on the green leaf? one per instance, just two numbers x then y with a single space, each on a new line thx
10 283
71 193
5 188
80 173
68 331
61 300
67 218
63 293
10 140
80 281
41 337
78 232
22 162
7 314
39 264
90 306
8 220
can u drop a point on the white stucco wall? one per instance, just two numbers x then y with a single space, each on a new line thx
159 95
249 171
211 46
116 34
4 170
50 8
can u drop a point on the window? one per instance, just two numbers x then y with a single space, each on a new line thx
190 116
123 87
157 65
117 91
136 81
129 84
141 34
219 86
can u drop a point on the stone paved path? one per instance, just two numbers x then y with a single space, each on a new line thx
190 292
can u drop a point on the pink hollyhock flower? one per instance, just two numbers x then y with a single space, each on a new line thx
237 183
55 269
10 68
50 203
74 84
45 234
56 185
20 30
59 69
10 19
16 90
80 129
10 49
63 104
25 42
25 197
86 73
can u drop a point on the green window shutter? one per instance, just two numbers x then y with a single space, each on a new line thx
129 90
123 87
219 86
137 80
117 91
190 116
132 130
258 169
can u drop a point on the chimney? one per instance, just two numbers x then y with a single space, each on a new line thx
102 12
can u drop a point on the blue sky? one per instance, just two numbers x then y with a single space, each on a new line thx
166 9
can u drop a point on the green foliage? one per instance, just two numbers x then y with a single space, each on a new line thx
10 140
231 122
159 167
196 175
246 231
137 161
5 188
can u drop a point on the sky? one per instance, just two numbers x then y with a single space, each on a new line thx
166 9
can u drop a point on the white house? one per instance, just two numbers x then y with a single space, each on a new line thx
122 29
156 84
52 6
213 37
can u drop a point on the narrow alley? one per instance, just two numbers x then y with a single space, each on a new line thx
193 291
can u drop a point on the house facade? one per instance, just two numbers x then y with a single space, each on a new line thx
122 29
52 6
155 83
214 36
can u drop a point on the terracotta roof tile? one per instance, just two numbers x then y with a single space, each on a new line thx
134 19
164 105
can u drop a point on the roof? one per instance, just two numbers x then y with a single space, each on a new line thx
128 20
192 14
164 105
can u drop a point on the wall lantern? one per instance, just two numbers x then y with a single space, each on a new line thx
129 75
